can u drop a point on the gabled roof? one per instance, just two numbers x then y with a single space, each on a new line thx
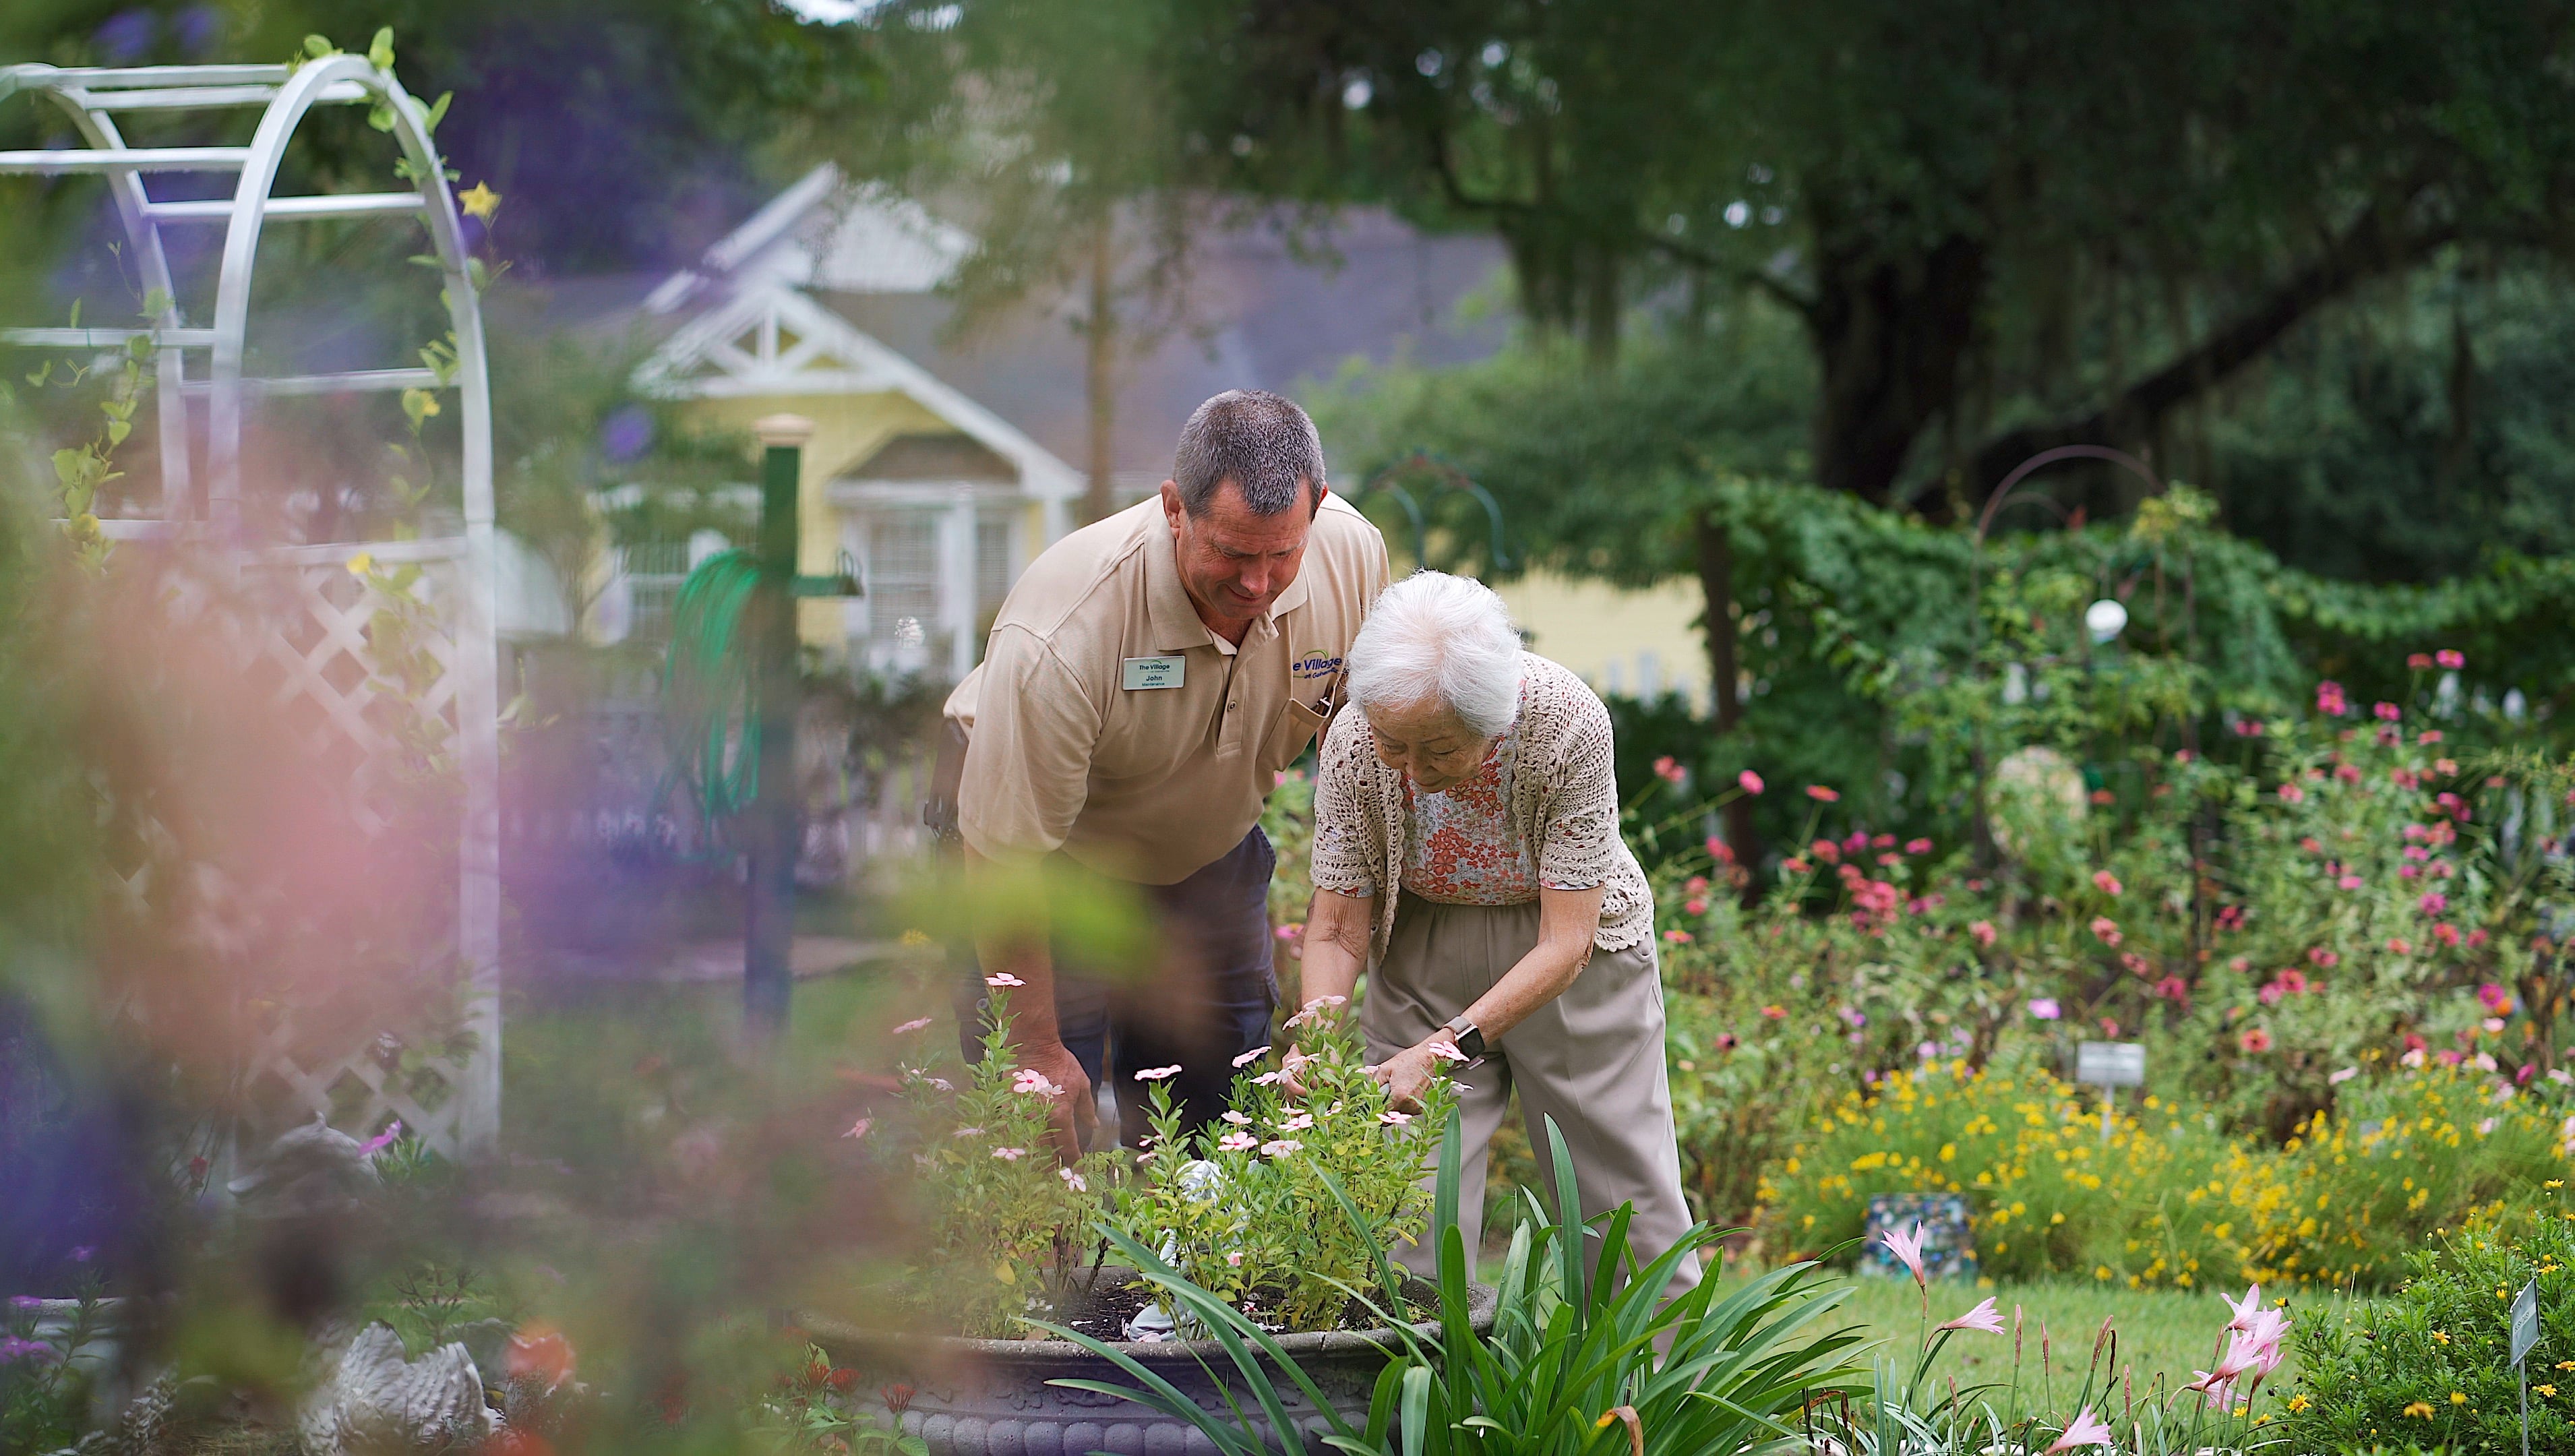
771 339
934 458
822 233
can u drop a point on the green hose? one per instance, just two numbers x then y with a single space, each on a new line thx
710 696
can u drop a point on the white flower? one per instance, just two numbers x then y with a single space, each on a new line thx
1009 1154
914 1024
1237 1119
1281 1147
1393 1118
1255 1055
1234 1259
1159 1073
1297 1123
1031 1079
1236 1141
1073 1180
1445 1050
1003 978
968 1132
860 1127
1264 1080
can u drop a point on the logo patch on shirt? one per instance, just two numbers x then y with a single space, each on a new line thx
1313 666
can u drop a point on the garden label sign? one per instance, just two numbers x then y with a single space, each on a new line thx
2109 1065
2525 1333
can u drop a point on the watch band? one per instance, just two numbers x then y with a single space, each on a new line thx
1470 1039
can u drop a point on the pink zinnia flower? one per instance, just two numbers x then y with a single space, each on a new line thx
1820 794
2106 882
2107 929
1984 1319
1750 781
2387 712
1917 846
2450 657
2418 662
2496 1000
1984 933
2256 1040
2045 1008
2329 698
2434 903
2292 794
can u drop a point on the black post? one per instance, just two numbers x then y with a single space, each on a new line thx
769 894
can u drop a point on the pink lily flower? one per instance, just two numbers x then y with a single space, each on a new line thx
1907 1249
2087 1430
1984 1319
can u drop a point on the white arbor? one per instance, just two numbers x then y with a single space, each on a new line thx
200 392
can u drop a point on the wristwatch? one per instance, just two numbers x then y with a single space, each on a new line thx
1470 1039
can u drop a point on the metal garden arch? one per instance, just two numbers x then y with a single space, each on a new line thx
207 406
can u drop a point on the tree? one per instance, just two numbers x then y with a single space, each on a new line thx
2004 228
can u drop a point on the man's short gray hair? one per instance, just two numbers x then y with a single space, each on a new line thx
1436 638
1259 440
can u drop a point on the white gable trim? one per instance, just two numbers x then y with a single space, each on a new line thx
702 361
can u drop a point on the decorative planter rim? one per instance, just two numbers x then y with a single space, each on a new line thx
897 1345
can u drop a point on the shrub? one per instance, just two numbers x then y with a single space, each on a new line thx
2429 1364
1249 1208
2407 1154
2052 1196
2167 1199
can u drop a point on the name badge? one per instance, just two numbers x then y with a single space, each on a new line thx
1146 672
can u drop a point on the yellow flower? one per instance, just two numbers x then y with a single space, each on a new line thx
479 201
915 937
2545 1389
2422 1408
361 564
2459 1397
2299 1403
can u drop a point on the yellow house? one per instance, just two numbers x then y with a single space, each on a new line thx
939 462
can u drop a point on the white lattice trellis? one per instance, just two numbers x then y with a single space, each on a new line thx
313 634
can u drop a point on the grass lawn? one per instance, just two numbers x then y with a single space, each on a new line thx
2160 1332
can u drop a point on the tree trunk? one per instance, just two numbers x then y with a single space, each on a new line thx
1100 368
1724 674
1891 333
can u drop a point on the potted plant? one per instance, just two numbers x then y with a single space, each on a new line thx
1278 1211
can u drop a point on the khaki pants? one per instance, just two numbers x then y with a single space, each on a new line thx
1592 1059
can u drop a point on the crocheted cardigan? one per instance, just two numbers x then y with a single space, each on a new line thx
1564 804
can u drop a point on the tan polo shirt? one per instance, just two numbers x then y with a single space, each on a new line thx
1108 722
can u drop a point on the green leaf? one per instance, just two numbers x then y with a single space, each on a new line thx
319 47
381 117
435 113
380 51
70 466
76 308
116 430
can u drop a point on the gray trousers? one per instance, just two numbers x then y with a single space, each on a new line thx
1592 1059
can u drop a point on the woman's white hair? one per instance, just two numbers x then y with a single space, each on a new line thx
1436 638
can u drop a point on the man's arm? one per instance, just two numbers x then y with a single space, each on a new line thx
1037 1041
1028 771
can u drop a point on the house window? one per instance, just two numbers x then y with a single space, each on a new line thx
903 584
654 571
991 568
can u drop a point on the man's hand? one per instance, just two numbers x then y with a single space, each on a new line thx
1406 1074
1072 1110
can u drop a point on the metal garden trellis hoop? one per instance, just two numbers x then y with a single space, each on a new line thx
93 98
1452 478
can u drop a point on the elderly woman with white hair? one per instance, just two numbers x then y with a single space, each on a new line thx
1466 853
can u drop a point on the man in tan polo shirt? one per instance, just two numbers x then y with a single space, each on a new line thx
1146 681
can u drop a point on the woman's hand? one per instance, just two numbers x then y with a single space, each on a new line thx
1406 1074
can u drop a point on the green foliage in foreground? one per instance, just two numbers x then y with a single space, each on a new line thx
1569 1361
2431 1364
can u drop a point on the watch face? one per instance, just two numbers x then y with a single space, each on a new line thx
1472 1042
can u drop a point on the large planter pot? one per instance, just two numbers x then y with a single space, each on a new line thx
992 1397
